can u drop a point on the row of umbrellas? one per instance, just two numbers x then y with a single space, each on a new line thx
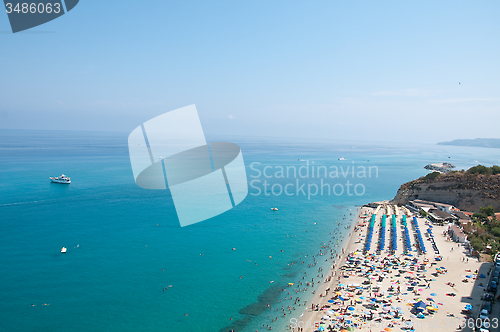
419 235
407 235
381 243
382 233
369 236
394 234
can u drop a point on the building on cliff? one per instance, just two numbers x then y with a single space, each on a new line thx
457 234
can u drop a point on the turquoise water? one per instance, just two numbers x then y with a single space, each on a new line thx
125 244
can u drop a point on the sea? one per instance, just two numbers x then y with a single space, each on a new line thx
129 266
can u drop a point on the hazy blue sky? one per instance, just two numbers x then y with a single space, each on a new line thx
367 70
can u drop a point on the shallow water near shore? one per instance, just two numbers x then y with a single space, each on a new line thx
131 267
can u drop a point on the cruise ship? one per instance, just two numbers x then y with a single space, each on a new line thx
61 179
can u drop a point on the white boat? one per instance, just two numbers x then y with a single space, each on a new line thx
61 179
63 250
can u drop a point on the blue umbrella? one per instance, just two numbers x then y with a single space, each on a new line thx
433 294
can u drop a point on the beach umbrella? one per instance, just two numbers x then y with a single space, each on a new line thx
433 294
420 306
351 309
331 301
325 317
321 328
388 329
350 328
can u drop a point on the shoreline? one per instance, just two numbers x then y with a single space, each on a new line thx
398 289
308 314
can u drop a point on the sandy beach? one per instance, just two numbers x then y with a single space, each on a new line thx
383 290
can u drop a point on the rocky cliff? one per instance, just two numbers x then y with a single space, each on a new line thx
464 189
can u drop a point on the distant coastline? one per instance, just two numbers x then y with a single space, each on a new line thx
477 142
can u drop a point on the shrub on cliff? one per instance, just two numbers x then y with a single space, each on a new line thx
477 244
431 176
480 169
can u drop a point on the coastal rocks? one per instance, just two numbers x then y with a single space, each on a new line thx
466 191
440 167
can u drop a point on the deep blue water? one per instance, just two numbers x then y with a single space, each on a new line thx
130 244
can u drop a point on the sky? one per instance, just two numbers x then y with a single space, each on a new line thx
355 70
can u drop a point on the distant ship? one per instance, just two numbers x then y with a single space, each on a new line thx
342 158
61 179
63 250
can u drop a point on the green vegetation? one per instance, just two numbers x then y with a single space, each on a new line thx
489 210
431 176
477 244
495 231
484 233
480 169
486 212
